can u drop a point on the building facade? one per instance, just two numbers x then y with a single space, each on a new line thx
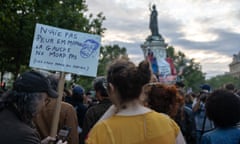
234 66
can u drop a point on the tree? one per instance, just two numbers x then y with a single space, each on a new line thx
220 80
191 71
16 26
107 54
18 19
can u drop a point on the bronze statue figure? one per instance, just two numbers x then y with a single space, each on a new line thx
153 21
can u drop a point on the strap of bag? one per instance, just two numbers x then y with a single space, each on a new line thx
203 127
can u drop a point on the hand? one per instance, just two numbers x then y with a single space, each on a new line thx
49 139
60 142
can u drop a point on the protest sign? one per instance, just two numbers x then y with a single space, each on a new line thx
164 68
65 50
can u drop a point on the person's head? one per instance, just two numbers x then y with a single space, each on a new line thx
223 108
98 85
205 88
203 96
204 92
230 87
53 81
154 6
163 98
179 84
78 93
29 94
125 80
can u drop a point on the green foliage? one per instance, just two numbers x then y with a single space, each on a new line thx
16 27
192 73
17 24
219 81
107 55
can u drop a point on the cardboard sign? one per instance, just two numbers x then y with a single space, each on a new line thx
164 68
64 50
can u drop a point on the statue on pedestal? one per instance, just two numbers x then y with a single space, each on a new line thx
153 21
154 49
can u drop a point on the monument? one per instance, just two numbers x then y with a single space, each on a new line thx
154 49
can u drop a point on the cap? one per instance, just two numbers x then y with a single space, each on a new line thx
33 81
78 90
205 88
53 81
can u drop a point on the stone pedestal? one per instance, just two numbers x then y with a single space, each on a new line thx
157 46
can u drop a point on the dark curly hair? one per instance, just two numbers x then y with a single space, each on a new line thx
223 108
128 79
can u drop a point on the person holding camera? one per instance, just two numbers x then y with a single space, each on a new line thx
67 118
203 124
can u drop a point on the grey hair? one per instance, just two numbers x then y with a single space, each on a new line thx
23 104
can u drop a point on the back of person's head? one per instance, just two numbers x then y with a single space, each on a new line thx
179 84
162 98
26 94
230 87
128 79
223 108
53 81
78 93
205 88
98 85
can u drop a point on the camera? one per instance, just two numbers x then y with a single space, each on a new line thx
203 97
63 133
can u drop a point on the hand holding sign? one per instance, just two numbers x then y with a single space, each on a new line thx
66 51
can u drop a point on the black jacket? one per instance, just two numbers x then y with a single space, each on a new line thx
14 131
92 115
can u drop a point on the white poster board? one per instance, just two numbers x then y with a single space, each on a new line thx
164 67
64 50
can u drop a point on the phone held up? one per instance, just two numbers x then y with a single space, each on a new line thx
63 133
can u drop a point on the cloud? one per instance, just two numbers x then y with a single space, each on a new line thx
207 31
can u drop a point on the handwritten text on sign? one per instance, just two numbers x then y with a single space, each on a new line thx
64 50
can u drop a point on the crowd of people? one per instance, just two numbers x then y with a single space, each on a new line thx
130 107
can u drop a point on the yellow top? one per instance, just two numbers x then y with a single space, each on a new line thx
148 128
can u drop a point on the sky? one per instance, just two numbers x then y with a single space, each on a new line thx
205 30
